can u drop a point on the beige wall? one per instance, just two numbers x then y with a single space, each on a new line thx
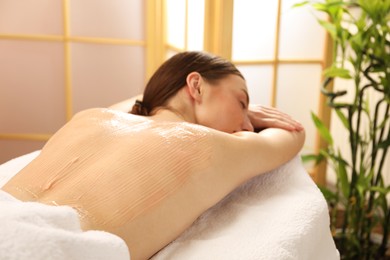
60 57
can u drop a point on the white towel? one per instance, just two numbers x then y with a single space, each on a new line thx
281 215
31 230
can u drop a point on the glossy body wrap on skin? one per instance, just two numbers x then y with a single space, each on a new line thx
139 161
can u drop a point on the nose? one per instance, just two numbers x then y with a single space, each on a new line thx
247 125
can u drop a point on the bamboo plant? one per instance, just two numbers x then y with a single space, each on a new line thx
361 54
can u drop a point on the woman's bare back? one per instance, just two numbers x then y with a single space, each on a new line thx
134 177
145 179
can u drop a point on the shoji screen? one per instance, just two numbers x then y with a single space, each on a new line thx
60 57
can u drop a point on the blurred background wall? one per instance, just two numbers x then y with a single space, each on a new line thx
58 57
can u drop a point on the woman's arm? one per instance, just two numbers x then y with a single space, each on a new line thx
238 157
126 105
269 148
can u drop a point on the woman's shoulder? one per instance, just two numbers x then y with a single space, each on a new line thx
97 111
106 114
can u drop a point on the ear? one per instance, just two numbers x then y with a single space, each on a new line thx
194 84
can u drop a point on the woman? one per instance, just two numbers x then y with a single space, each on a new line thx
147 177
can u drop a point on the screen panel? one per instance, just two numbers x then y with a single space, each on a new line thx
301 36
259 83
31 17
122 19
298 94
254 28
195 32
105 74
176 23
32 86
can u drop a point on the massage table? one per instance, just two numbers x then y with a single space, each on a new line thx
279 215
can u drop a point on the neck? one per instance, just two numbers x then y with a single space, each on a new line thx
169 114
178 109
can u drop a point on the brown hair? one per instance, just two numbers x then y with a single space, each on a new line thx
171 76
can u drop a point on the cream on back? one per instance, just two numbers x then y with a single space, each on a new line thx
113 166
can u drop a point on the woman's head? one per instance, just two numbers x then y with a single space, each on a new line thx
171 76
174 74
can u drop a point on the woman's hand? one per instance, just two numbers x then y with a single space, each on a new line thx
267 117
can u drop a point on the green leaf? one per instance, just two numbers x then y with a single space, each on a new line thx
338 159
343 177
322 129
367 108
363 183
331 28
381 190
320 7
337 72
361 24
312 157
300 4
356 42
330 7
384 144
342 118
383 123
372 7
345 35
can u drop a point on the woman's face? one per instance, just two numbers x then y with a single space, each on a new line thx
225 105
